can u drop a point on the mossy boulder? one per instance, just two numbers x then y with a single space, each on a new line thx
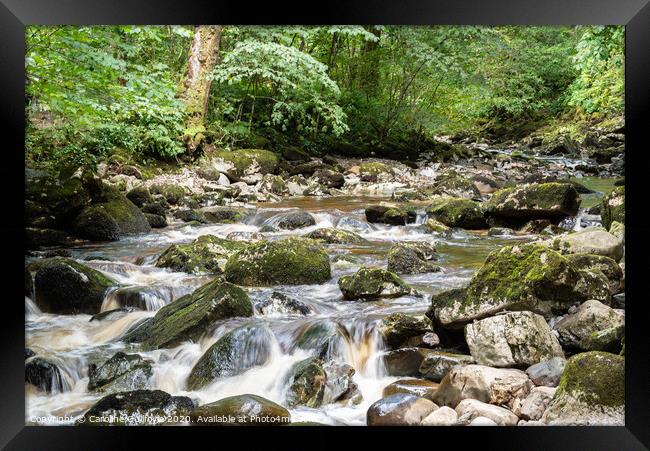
314 382
607 266
436 226
591 317
516 205
64 286
173 193
242 410
232 354
47 195
136 408
393 215
412 258
457 212
397 328
273 184
207 254
329 178
226 215
371 171
613 207
156 221
455 185
591 391
122 372
189 215
190 316
331 235
519 277
292 261
373 283
139 195
592 240
245 162
294 220
39 237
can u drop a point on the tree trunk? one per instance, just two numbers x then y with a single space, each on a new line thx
195 89
370 68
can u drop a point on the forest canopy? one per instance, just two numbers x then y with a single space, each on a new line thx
168 91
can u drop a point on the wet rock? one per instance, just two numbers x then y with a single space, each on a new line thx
399 410
156 221
63 286
613 207
188 215
476 382
29 353
111 314
512 339
552 201
136 408
207 254
412 258
226 215
140 297
436 226
353 224
372 283
321 337
154 208
436 364
282 304
444 416
173 193
313 382
38 237
292 261
330 179
384 214
44 374
190 316
500 231
417 387
243 410
397 328
472 408
244 236
548 372
295 220
536 403
122 372
455 185
590 318
594 240
273 184
232 354
519 277
457 212
591 392
373 171
331 235
139 196
405 361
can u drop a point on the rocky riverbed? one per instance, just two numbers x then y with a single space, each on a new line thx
248 287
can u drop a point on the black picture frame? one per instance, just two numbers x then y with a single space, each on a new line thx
16 14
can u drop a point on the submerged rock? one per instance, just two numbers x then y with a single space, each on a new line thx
331 235
122 372
412 258
457 212
321 337
244 410
280 303
207 254
292 261
399 410
371 284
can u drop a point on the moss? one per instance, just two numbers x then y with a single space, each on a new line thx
457 212
394 215
273 184
244 160
595 378
292 261
173 193
372 283
453 184
374 168
206 254
412 258
331 235
226 215
613 207
308 380
396 328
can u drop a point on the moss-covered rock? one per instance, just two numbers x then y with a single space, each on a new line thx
592 240
314 382
590 318
384 214
320 336
516 205
207 254
412 258
436 226
591 391
245 162
292 261
331 235
48 195
45 374
237 351
273 184
38 237
373 283
455 185
64 286
139 196
370 171
122 372
520 277
173 193
156 221
189 215
457 212
136 408
397 328
294 220
188 317
244 410
329 178
607 266
613 208
226 215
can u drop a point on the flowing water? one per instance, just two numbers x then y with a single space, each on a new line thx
74 341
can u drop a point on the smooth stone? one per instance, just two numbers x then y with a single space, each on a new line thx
444 416
547 373
474 409
399 410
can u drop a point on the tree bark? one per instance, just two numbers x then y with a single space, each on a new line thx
195 90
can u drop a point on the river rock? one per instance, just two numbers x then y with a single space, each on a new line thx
139 195
273 184
548 372
591 392
244 164
444 416
412 258
613 207
476 381
136 408
156 221
610 269
418 387
369 284
207 254
472 408
331 235
282 304
385 214
436 364
399 410
405 361
436 226
45 374
519 277
321 337
295 220
314 382
226 215
513 339
64 286
188 317
292 261
536 403
243 410
592 240
516 205
154 208
397 328
189 215
457 212
122 372
455 185
353 224
500 231
173 194
330 179
232 354
374 171
591 317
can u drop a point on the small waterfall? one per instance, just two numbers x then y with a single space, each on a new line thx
31 309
